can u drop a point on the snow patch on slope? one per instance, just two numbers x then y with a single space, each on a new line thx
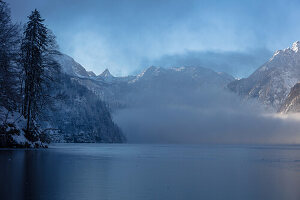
271 83
14 124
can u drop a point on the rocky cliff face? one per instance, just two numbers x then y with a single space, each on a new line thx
271 83
292 102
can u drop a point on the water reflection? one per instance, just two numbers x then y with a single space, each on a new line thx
137 172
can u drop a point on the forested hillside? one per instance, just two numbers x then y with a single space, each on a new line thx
39 103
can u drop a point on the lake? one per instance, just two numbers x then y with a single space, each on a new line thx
154 172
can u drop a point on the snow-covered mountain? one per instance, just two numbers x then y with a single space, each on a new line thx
181 76
79 115
118 91
271 83
71 67
106 76
292 102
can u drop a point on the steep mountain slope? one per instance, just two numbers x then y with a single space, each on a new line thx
91 74
292 102
71 67
271 83
79 116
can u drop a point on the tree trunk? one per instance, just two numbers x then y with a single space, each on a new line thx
28 115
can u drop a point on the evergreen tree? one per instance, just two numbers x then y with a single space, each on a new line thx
9 42
37 47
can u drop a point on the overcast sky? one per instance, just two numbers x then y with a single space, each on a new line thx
128 35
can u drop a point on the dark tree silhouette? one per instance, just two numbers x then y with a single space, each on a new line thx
37 47
9 43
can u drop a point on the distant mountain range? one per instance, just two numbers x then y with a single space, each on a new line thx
118 91
274 84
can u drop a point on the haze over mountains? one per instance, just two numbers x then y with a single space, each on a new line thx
183 97
270 83
160 104
121 92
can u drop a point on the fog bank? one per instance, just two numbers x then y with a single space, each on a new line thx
204 115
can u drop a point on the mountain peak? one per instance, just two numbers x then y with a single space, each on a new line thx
296 46
287 51
272 82
106 73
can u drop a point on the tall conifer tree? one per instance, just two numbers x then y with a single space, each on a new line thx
9 43
37 47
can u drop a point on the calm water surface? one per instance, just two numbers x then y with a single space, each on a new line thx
154 172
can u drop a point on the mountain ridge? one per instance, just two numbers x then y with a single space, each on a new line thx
116 90
271 83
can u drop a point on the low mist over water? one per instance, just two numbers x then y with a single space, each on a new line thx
149 100
205 115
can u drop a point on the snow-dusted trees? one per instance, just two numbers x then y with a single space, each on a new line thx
9 45
27 74
37 48
79 115
31 82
